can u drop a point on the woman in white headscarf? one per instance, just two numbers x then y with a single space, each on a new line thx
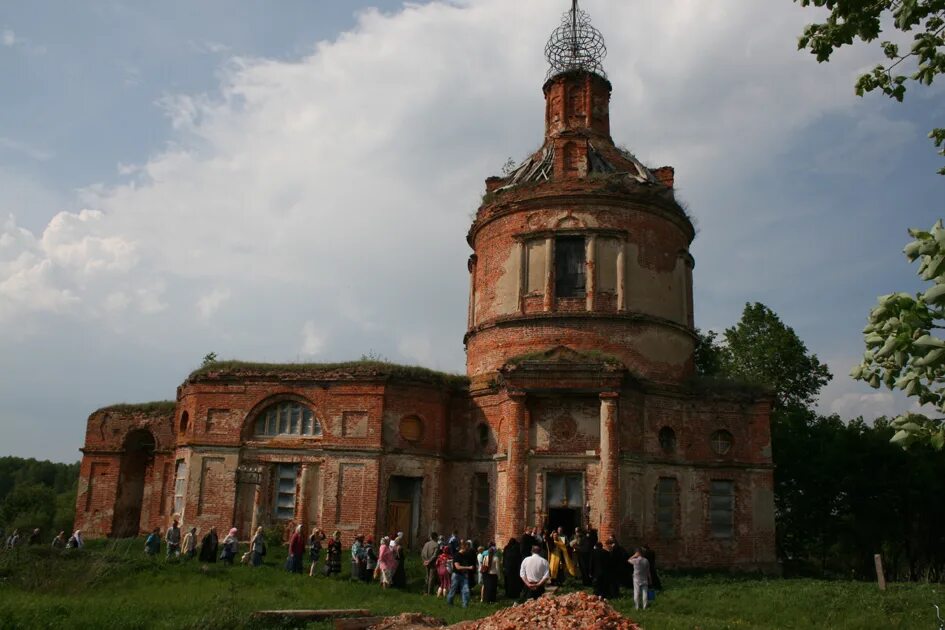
386 562
400 555
75 541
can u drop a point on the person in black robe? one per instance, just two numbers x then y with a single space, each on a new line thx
528 541
650 556
622 572
511 567
209 545
601 568
585 548
400 573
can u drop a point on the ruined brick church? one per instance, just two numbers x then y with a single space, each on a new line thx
580 407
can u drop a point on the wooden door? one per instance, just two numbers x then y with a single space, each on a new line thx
398 519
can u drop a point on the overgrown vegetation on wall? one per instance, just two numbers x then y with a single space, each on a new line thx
37 494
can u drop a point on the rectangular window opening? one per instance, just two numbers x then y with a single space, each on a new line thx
569 266
180 480
666 501
286 475
481 502
722 509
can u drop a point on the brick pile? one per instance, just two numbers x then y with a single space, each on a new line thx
575 610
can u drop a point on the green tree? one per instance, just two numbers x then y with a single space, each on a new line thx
901 351
851 20
708 354
209 358
761 349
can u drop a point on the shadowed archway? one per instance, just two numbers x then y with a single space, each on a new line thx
138 453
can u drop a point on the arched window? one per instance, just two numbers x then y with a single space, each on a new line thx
667 439
184 422
721 442
287 418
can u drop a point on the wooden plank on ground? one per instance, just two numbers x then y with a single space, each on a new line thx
310 615
357 623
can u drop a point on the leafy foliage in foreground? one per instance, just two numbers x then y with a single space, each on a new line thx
901 350
113 585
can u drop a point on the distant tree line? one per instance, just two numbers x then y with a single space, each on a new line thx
37 494
843 492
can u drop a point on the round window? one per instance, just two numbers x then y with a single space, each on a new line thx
667 439
721 442
411 429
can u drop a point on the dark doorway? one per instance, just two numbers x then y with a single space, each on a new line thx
138 455
564 496
568 518
403 508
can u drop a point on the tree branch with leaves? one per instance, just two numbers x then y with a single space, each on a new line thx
851 20
902 351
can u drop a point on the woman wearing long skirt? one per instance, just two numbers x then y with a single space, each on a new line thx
386 562
490 574
400 555
257 547
333 559
296 550
443 562
209 545
315 550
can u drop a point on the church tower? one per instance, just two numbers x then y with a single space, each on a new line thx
580 340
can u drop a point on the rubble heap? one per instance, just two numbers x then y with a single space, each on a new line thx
568 612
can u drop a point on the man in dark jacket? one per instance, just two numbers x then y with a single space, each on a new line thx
428 557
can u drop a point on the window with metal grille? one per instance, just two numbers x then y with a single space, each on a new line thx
721 442
481 501
287 418
722 509
666 494
285 491
569 266
180 481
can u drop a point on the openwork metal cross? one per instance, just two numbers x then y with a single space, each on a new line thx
575 45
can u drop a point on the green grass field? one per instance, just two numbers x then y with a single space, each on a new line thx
111 585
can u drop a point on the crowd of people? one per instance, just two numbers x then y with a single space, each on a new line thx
454 566
60 541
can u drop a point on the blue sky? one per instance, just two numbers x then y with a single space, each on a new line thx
294 181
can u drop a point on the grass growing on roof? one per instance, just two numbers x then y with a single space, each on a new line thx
157 406
366 367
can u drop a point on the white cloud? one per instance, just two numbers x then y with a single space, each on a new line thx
869 406
8 38
336 188
313 340
208 304
26 149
